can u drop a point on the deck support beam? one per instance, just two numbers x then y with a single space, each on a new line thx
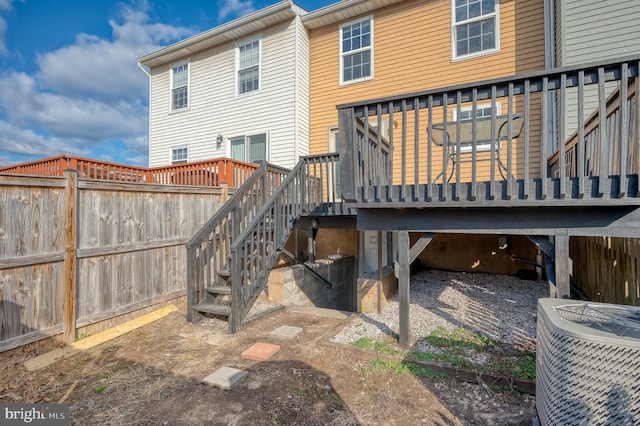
558 262
420 245
402 271
406 255
562 264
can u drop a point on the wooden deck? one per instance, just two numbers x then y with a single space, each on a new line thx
489 172
409 170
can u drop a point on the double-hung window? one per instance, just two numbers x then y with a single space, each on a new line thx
248 67
356 51
179 155
180 86
250 148
475 27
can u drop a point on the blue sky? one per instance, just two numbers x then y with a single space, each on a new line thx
69 81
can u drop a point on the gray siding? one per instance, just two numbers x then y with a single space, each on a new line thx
590 30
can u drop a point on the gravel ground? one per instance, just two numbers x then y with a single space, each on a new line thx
498 306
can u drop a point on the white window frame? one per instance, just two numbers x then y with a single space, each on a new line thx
351 52
480 145
373 120
171 71
238 45
176 148
454 45
246 152
333 133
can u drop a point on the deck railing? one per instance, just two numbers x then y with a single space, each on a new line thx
308 187
493 142
619 137
209 250
200 173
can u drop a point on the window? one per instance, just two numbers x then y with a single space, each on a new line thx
180 87
179 155
356 51
248 65
251 148
466 114
475 27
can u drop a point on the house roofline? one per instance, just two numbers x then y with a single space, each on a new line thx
229 31
342 10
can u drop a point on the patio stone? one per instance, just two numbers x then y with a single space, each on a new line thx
260 351
224 377
286 332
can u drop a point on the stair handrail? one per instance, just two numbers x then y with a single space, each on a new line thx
233 212
284 207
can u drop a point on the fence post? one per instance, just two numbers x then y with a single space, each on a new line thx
70 270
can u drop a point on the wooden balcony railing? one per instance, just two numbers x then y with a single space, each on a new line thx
202 173
494 142
619 139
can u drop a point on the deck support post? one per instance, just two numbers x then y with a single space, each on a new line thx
403 273
562 264
348 154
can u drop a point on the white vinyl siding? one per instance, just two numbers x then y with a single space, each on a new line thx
356 51
215 108
475 29
302 91
592 30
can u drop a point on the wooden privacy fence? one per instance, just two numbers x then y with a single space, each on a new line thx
606 269
75 251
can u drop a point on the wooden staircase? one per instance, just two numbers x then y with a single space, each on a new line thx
230 257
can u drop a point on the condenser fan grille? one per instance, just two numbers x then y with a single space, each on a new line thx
587 363
612 319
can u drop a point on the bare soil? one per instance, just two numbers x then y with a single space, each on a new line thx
152 376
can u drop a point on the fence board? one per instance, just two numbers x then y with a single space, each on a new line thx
129 246
605 269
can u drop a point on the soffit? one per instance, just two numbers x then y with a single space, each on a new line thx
343 10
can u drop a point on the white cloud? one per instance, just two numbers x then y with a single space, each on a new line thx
66 117
234 8
86 96
15 140
106 69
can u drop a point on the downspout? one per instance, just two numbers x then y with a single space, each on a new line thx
549 34
144 70
549 63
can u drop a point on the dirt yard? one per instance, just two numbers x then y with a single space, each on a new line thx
152 376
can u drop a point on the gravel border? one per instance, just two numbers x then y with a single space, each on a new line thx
498 306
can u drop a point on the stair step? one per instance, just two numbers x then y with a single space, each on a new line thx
213 309
218 289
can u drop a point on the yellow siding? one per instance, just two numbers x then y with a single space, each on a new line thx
412 52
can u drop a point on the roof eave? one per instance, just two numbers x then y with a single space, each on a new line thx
232 30
342 10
